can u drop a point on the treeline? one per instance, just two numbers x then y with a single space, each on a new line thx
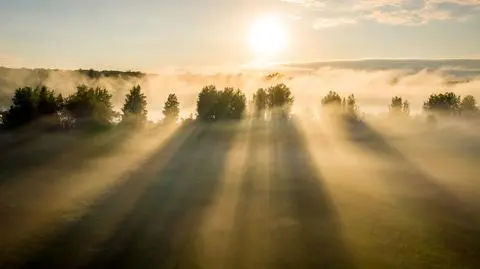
441 104
94 74
92 107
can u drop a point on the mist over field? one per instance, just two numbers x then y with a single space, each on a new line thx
374 82
314 189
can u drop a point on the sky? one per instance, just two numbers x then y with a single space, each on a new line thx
149 35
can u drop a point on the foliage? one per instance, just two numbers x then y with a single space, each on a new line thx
90 106
332 98
351 105
443 103
135 106
207 99
30 104
279 96
398 106
260 100
94 74
231 104
406 107
220 105
171 109
468 105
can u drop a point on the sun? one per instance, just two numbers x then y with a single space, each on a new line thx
267 36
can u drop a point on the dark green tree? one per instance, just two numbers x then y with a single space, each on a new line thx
135 106
444 103
90 107
206 103
171 109
230 104
220 105
30 104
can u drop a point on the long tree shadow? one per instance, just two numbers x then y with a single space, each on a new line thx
72 242
451 221
306 232
249 244
160 231
67 148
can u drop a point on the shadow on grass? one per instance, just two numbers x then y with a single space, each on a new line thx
64 150
455 227
306 231
249 245
158 209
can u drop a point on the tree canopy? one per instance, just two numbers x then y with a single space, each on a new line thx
171 109
332 98
220 105
30 104
260 101
135 106
90 106
398 106
443 103
468 105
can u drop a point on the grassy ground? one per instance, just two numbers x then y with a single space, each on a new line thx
254 194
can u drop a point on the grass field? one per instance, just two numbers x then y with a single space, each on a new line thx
252 194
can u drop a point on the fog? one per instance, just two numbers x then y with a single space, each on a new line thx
314 191
373 87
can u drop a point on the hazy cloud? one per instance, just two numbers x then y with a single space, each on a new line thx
8 60
331 13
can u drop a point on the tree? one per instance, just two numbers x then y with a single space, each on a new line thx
469 105
444 103
171 109
207 99
260 100
220 105
90 106
135 106
30 104
332 98
399 106
352 107
280 99
396 105
406 108
230 104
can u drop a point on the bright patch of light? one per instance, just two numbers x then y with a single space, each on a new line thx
268 36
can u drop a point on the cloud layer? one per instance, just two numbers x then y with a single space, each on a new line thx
331 13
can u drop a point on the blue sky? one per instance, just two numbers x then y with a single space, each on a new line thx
148 34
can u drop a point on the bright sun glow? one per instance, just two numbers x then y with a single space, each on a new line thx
268 36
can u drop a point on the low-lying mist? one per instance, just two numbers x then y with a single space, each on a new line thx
373 88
